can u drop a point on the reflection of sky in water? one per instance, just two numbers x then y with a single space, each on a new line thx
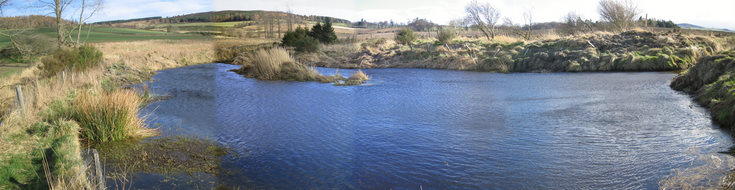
440 129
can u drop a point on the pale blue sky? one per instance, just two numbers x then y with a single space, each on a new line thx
708 13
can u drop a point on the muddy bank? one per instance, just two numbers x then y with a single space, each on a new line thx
627 51
712 84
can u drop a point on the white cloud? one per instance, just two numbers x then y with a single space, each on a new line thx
128 9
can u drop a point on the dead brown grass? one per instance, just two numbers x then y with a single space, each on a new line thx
359 76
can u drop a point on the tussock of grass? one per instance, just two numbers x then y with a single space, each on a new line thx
109 116
359 76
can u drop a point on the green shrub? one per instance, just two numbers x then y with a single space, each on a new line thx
88 56
307 44
76 59
406 37
445 36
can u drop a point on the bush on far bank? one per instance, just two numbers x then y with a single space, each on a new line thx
77 59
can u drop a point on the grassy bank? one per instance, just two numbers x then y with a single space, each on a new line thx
592 52
712 84
74 109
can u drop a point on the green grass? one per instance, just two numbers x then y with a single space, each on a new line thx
111 34
11 69
58 146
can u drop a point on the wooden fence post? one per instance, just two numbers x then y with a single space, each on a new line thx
19 99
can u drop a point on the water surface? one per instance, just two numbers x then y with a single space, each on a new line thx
438 129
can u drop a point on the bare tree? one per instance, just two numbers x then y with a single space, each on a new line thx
483 16
93 6
512 28
58 7
3 3
573 24
528 19
289 20
619 13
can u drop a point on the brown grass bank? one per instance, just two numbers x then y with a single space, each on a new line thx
635 50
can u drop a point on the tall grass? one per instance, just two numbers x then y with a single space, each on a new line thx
110 116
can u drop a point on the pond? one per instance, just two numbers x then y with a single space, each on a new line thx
438 129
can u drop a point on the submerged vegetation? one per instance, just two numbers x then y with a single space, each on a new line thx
167 155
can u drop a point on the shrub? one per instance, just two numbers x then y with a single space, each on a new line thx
77 59
406 37
445 36
307 44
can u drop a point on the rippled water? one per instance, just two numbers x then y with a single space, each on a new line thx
437 129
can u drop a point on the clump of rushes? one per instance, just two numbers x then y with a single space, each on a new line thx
277 64
110 116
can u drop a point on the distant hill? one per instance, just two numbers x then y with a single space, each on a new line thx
687 25
692 26
220 16
31 21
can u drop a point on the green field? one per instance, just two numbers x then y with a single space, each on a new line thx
214 24
108 34
11 69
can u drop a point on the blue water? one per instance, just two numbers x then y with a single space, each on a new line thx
437 129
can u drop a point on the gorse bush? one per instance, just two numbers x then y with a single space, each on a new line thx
406 37
77 59
445 35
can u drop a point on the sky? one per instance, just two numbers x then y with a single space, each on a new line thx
707 13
